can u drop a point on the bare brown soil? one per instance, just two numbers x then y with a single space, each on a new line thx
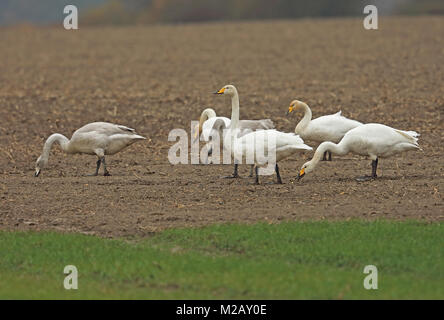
155 79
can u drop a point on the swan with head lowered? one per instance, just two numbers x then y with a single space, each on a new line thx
258 143
373 140
331 127
97 138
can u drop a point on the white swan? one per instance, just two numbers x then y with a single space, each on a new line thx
208 119
211 125
257 143
373 140
97 138
331 127
206 123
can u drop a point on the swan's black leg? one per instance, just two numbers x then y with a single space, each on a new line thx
373 176
235 174
256 170
278 176
329 156
251 171
324 158
374 167
97 168
105 171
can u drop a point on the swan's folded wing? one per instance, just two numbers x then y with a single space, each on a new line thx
263 124
105 128
124 128
247 126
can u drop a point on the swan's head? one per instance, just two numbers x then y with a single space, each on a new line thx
228 89
295 104
39 165
306 168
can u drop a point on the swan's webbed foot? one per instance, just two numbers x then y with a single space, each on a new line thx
95 174
231 177
235 175
365 178
373 176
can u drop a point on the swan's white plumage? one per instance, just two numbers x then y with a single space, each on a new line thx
97 138
256 143
283 144
331 127
208 123
373 140
379 141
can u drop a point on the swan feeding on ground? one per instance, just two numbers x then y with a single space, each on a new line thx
373 140
97 138
331 127
282 144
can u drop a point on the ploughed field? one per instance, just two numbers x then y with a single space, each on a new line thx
159 78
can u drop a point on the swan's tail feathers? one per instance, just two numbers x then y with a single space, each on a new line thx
413 133
339 113
410 135
124 128
137 137
298 143
304 147
295 138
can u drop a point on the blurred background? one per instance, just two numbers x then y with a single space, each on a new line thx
127 12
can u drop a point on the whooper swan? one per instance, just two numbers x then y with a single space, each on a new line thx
210 124
331 127
257 142
97 138
373 140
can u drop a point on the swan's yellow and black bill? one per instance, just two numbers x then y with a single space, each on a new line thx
37 172
301 174
290 110
221 91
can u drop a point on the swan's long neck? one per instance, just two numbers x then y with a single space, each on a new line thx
306 119
235 111
206 114
56 137
339 149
